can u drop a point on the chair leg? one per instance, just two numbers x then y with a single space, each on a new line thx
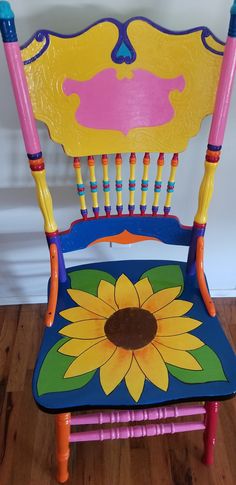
62 446
210 432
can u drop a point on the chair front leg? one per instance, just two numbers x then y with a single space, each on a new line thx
62 446
210 432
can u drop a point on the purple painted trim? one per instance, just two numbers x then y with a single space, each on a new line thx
34 156
155 209
8 30
123 37
232 25
84 212
166 210
197 231
40 35
61 263
214 148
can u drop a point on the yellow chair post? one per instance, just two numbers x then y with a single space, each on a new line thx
207 186
106 185
93 185
43 194
204 199
144 184
132 183
171 183
80 187
119 205
158 184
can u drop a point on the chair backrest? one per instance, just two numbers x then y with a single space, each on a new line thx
122 88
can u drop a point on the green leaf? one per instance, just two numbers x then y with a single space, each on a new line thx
212 370
163 277
89 279
54 366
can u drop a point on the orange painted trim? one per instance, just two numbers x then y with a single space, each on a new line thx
124 237
175 160
201 278
53 293
132 158
76 162
161 160
91 161
118 159
146 159
37 165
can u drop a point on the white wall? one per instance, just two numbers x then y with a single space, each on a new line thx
24 266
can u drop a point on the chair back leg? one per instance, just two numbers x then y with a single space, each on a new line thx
210 432
62 445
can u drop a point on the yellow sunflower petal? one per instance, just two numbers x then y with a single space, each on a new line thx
180 358
185 341
91 303
160 299
75 347
125 293
176 326
89 329
176 308
77 314
144 290
135 380
114 370
91 359
106 292
153 366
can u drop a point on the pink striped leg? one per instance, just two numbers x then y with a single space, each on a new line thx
210 432
63 451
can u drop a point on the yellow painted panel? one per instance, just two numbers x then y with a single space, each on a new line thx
44 200
205 193
159 57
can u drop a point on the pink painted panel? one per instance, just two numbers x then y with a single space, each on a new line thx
20 88
107 102
136 431
220 115
137 415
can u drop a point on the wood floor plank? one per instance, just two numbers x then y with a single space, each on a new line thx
37 334
22 348
9 428
9 323
25 436
27 448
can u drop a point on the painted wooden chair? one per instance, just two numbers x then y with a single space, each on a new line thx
130 336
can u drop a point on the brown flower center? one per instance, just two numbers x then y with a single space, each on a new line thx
131 328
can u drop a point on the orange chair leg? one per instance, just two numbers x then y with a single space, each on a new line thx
62 444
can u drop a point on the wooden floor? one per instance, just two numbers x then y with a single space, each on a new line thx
27 435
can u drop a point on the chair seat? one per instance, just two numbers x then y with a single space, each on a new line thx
128 334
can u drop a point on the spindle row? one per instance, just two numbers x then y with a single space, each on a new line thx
131 185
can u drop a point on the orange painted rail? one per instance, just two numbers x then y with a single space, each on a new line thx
52 302
201 278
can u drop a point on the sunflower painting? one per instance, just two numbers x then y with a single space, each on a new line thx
128 333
